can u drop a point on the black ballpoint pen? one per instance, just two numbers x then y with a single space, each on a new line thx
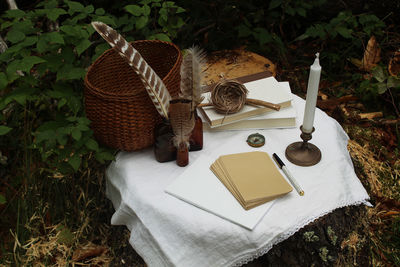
288 174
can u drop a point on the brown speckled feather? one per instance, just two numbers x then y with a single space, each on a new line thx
191 74
182 120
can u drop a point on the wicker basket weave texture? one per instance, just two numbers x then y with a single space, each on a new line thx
122 114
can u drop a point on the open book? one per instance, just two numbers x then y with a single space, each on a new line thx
266 89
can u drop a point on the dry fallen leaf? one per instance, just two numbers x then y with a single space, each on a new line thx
322 95
89 250
332 103
356 62
372 55
390 213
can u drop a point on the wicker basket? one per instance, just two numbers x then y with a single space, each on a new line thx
122 114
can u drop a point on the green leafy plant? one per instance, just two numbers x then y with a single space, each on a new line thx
164 14
346 25
381 84
278 16
382 81
295 8
46 142
42 83
50 49
260 25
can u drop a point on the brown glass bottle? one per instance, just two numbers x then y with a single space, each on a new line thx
164 149
196 138
182 155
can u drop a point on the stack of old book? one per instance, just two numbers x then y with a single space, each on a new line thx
254 117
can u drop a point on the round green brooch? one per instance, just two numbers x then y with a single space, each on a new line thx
255 140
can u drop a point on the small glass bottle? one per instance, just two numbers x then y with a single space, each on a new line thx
196 138
164 149
182 155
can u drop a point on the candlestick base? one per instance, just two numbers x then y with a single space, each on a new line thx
303 153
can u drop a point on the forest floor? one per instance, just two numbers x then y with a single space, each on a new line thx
359 236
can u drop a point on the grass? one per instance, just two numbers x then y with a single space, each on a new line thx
50 219
382 181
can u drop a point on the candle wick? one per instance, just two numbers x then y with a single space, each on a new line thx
317 55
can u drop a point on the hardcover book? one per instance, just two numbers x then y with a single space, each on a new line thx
266 89
284 118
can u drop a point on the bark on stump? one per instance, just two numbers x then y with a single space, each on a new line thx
336 239
235 63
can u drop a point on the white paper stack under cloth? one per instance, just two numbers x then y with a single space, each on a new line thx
199 187
166 231
247 181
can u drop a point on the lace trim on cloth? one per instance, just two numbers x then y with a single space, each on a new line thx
264 250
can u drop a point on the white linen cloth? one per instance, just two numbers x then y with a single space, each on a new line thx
166 231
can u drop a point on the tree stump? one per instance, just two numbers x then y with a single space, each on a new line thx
337 238
232 64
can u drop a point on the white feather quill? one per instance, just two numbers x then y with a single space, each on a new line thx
155 87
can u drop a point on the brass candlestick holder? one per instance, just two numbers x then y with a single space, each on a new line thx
303 153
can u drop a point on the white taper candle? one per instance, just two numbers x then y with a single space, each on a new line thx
312 93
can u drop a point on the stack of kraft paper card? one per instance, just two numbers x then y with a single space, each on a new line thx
251 177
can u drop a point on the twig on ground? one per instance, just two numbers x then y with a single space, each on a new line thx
370 115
